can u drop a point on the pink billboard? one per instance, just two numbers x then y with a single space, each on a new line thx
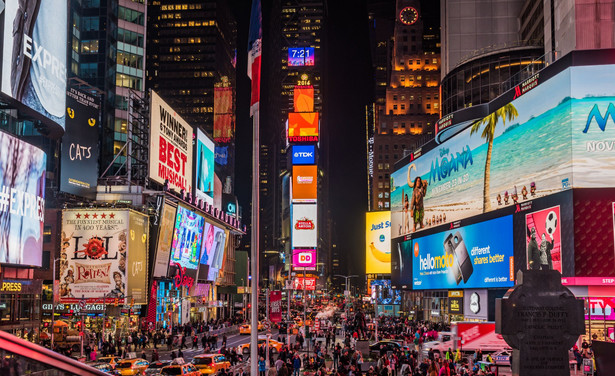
304 259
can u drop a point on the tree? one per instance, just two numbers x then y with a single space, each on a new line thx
507 112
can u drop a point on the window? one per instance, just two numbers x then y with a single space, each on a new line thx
380 166
130 37
130 15
386 195
89 70
131 82
386 204
129 60
435 61
89 47
395 108
89 23
380 185
394 97
428 106
379 194
5 307
402 78
403 107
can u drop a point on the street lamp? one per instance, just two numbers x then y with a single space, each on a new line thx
53 299
347 290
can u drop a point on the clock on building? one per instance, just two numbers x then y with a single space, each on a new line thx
408 15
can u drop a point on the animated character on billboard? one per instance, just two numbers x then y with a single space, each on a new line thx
419 189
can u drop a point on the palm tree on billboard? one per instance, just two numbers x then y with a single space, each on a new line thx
507 112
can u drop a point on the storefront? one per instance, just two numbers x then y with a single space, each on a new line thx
20 302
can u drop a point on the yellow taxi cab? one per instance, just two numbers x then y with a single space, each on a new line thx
298 321
131 367
277 346
246 328
210 363
111 360
180 370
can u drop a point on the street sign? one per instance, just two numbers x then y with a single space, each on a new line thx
346 292
267 325
82 304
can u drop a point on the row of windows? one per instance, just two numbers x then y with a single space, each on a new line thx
181 7
436 96
411 106
131 15
89 47
130 82
130 60
130 37
403 124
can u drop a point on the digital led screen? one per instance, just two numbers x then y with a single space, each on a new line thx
22 202
383 294
187 238
300 283
401 263
34 55
80 150
304 259
303 124
170 151
214 240
474 256
224 120
165 239
565 117
305 183
304 226
378 242
204 175
304 99
304 154
300 56
543 239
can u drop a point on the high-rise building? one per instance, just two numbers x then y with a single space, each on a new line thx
404 119
108 52
191 58
294 57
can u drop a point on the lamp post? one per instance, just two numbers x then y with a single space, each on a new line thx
346 291
53 299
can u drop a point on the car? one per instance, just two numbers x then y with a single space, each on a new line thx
105 367
389 345
180 370
155 367
247 328
262 340
112 360
131 367
210 363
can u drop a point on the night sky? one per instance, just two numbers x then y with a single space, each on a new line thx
347 90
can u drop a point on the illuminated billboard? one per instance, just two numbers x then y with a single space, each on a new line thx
224 120
22 201
80 149
300 56
304 259
304 98
543 239
308 283
103 254
187 238
170 146
378 242
165 239
305 183
303 126
304 154
304 226
382 293
204 175
474 256
489 164
34 55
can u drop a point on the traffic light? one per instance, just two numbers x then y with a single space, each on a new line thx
132 302
115 302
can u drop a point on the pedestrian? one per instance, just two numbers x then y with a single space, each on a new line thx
296 365
262 366
173 355
93 355
195 342
155 355
180 354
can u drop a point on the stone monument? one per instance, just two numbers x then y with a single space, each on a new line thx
541 320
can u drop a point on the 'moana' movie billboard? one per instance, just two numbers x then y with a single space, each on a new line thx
556 135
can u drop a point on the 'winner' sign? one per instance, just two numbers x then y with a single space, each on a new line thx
170 146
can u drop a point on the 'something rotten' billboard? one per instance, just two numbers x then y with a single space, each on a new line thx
170 154
103 255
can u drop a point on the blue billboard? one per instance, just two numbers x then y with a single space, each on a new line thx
304 155
475 256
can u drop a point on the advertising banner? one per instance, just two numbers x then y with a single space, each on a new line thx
34 55
543 239
22 201
214 240
382 293
204 176
455 305
93 254
187 238
601 309
224 121
304 226
300 56
221 156
170 146
302 124
378 242
165 239
304 154
275 306
137 257
478 255
475 304
80 150
305 183
304 99
401 263
304 259
310 283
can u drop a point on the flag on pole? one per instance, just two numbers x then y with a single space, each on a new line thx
254 54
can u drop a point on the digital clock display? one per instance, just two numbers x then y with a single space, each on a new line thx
300 56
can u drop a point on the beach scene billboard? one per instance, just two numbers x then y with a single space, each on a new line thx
550 138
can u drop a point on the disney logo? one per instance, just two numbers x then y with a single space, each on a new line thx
181 279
